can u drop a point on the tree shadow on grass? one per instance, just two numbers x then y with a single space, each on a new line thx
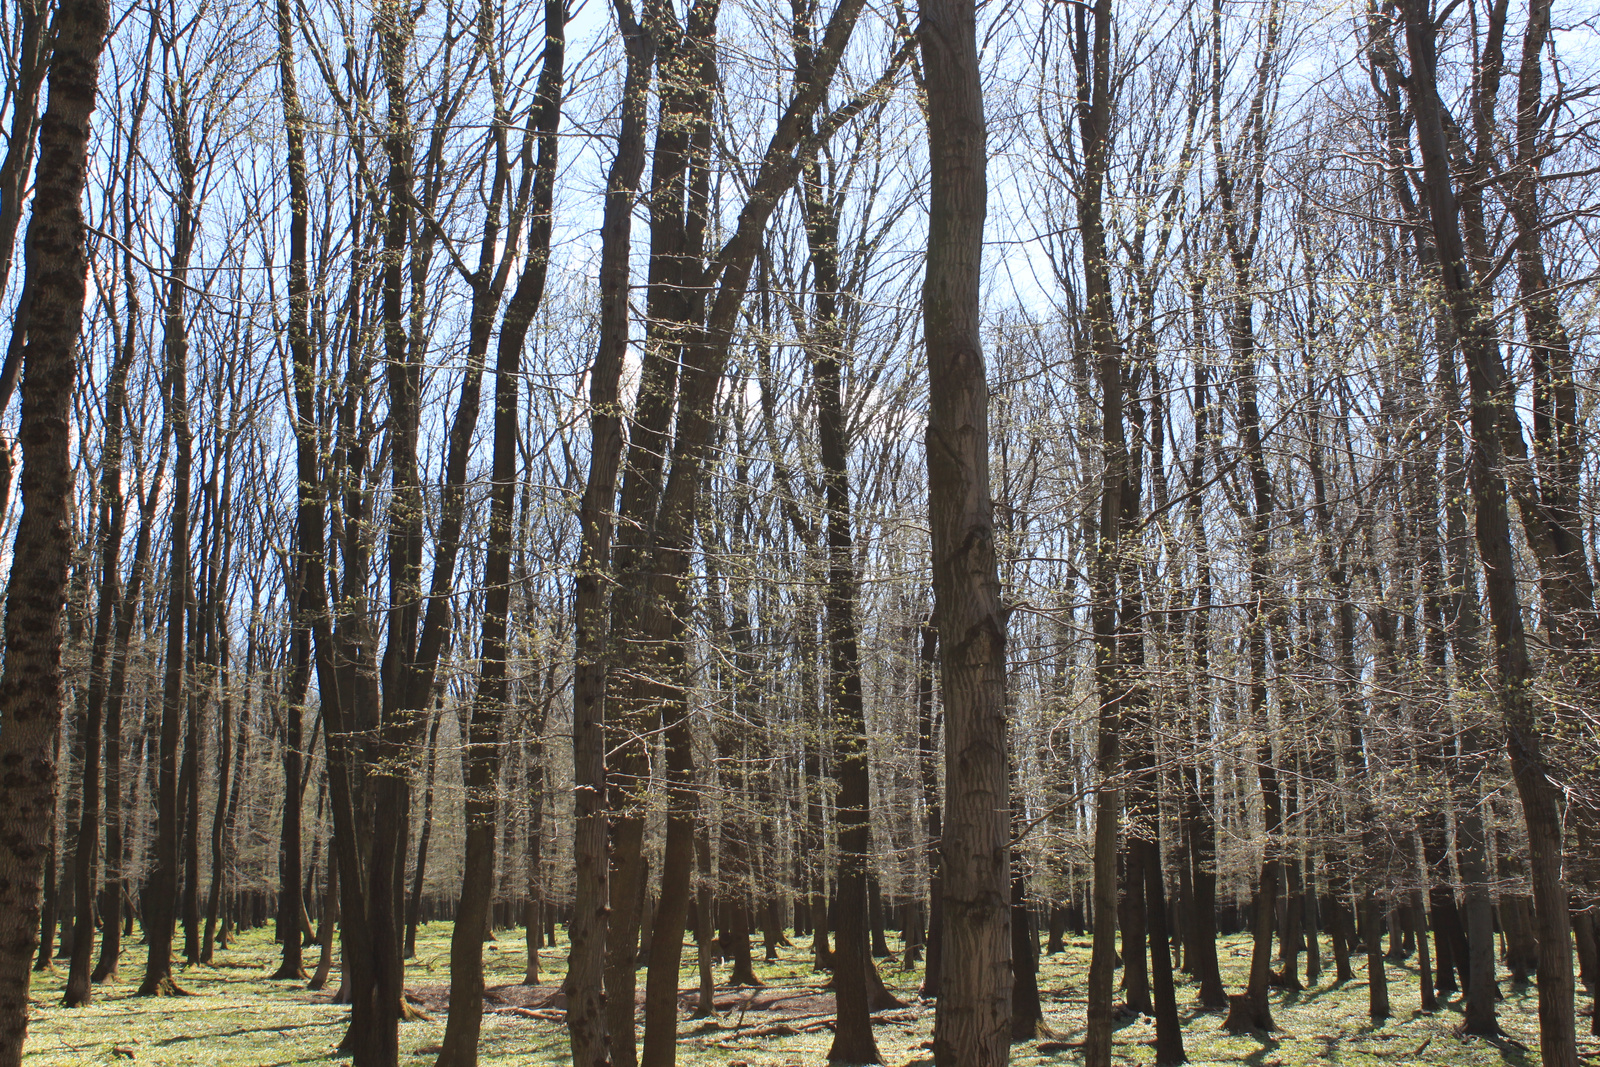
1269 1044
244 1032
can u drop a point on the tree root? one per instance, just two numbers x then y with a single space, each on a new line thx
163 987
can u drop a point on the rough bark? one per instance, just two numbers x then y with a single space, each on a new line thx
973 1021
31 686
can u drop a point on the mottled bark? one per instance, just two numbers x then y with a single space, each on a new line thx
31 687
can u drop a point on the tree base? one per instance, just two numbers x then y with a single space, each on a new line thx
1285 980
745 978
1489 1031
163 987
878 996
288 972
1032 1030
858 1052
1246 1015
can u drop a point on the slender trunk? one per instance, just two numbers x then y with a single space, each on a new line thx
704 905
419 870
330 919
533 910
110 532
665 951
481 756
927 762
163 888
586 1015
219 820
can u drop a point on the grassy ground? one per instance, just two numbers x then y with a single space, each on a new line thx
237 1017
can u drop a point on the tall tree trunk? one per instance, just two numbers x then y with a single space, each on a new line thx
31 686
419 869
973 1021
584 985
1092 54
330 918
115 891
853 1040
533 910
219 818
1493 423
1239 196
481 757
163 888
110 535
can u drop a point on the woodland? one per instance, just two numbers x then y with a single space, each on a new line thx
1054 530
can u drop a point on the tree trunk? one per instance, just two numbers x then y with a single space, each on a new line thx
1493 423
330 918
927 763
31 684
584 985
973 1019
482 754
419 870
110 543
163 888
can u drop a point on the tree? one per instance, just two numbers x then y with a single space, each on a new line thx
973 1024
30 684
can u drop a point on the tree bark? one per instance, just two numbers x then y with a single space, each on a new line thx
31 684
973 1020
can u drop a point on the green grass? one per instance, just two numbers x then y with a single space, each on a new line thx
237 1017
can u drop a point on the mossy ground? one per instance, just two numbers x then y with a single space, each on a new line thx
236 1016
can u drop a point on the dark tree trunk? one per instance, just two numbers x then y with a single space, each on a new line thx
116 892
1377 979
419 870
330 918
31 685
219 820
704 927
1493 423
1169 1031
584 985
665 951
110 545
163 890
482 755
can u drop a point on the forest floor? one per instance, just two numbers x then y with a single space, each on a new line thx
236 1016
